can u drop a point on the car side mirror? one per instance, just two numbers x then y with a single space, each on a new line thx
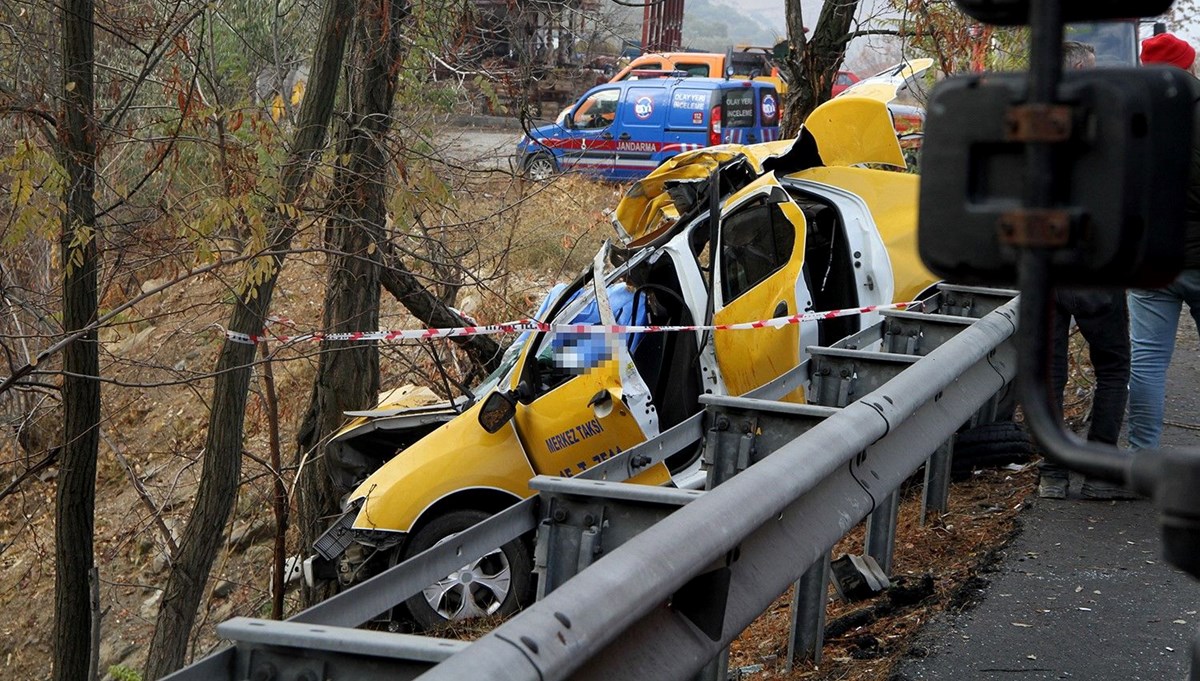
497 410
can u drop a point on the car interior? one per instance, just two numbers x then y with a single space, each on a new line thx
828 268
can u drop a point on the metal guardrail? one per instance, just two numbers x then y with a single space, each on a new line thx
654 583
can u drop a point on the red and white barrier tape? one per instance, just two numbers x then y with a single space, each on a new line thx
534 325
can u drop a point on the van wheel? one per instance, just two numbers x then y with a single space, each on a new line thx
498 584
540 167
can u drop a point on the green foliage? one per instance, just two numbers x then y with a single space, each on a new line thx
956 42
35 188
81 236
490 96
120 672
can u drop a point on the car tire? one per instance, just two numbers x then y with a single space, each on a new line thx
540 167
990 445
497 584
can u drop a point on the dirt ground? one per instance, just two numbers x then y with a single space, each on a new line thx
947 558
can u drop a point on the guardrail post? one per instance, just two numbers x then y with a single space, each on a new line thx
584 519
881 531
743 432
809 598
936 496
717 668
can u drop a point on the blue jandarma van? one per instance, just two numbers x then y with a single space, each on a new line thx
622 131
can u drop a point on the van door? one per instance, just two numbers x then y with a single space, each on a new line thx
769 112
688 123
637 135
758 261
739 115
586 146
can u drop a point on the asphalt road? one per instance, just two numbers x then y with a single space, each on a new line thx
483 143
481 149
1082 592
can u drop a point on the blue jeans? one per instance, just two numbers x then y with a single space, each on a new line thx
1153 322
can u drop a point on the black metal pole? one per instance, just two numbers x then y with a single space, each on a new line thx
1034 341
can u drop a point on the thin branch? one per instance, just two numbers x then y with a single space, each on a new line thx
54 349
155 511
33 470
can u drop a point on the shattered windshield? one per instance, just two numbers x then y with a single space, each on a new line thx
507 362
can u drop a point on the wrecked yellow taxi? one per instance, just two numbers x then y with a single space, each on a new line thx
721 235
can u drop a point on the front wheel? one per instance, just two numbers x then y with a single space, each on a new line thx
540 167
499 583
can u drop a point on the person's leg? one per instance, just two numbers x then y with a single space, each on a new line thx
1053 480
1107 334
1187 287
1153 319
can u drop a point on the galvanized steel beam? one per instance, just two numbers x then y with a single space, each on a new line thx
972 301
271 650
769 524
919 333
809 597
880 542
377 595
935 499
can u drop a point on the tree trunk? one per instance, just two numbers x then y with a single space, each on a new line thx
813 63
425 306
76 493
223 445
348 371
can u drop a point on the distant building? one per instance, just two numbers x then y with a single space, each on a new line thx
541 32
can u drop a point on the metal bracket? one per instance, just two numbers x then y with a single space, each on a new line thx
703 599
584 519
1045 123
1046 228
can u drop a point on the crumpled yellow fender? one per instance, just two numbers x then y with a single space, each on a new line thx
847 131
459 455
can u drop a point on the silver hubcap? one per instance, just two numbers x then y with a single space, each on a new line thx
540 169
475 590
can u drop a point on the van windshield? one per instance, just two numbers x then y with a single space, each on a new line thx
694 70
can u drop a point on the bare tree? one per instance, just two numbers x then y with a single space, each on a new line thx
76 493
348 371
223 444
812 63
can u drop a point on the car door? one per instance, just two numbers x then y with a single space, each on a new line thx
758 269
588 401
587 145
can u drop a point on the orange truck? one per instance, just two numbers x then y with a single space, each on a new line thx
744 62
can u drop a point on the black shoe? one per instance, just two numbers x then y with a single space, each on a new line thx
1053 486
1103 490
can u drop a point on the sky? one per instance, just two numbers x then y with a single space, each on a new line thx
863 54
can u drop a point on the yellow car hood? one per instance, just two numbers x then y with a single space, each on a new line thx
844 131
885 86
